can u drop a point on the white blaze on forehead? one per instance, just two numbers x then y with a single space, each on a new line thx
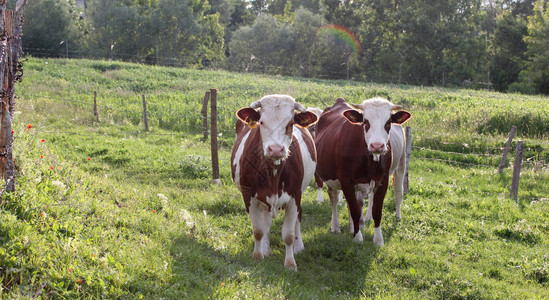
276 112
377 108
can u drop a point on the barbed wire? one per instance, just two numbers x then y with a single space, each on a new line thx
499 194
456 153
81 187
452 161
181 62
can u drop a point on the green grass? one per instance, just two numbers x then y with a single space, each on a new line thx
141 219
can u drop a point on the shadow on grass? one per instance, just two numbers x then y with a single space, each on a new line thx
332 265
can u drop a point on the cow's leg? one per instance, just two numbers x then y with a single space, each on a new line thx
360 199
335 217
398 177
370 203
298 245
377 208
289 234
355 209
261 226
319 185
369 191
265 242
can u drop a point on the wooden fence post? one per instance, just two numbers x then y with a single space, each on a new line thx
516 171
11 29
213 126
506 150
95 113
205 115
408 154
145 115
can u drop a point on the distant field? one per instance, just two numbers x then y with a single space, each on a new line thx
104 209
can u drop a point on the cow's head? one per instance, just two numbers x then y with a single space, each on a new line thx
275 116
376 116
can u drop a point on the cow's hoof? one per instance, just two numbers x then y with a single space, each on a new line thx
298 246
378 237
335 230
379 242
258 256
290 264
358 237
368 215
319 197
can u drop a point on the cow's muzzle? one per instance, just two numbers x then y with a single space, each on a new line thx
276 152
377 148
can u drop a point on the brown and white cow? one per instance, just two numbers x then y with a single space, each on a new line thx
312 130
273 162
357 151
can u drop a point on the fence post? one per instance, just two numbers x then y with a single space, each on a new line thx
145 115
11 29
516 171
205 115
408 154
506 150
95 113
213 126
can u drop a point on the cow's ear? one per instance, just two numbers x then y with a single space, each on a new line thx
400 117
305 119
353 116
249 116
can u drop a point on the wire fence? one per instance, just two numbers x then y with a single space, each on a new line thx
343 73
189 121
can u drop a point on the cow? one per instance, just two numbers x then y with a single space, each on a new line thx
358 148
272 162
312 130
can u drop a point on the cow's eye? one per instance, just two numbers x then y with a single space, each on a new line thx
388 126
366 125
261 123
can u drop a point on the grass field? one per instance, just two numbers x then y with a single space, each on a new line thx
104 209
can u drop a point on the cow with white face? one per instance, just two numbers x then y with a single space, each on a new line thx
272 162
357 151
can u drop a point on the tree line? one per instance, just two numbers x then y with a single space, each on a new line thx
496 44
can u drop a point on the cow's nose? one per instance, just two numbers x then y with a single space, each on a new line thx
377 147
275 151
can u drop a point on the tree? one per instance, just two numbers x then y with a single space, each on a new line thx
537 42
49 26
171 32
119 29
380 33
261 47
441 42
271 45
304 32
509 50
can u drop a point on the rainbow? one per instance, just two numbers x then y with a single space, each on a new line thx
343 35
